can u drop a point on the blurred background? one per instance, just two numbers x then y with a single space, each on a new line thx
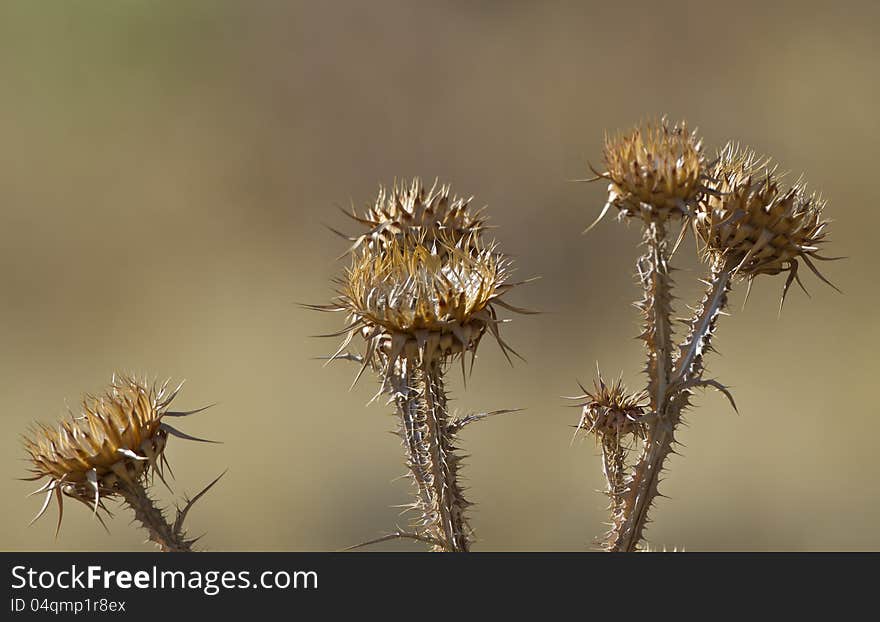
168 169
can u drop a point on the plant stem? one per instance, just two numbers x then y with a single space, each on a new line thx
627 529
689 365
168 539
429 441
656 305
451 503
406 398
614 469
629 520
643 484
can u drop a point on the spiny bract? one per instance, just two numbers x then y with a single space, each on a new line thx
610 410
423 299
754 224
119 438
655 171
409 209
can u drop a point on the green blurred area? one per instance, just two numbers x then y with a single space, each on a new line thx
168 168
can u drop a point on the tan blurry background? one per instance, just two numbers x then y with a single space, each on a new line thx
167 168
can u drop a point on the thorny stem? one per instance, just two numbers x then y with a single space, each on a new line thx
428 439
656 305
626 533
641 488
614 468
450 497
405 392
166 537
689 365
643 484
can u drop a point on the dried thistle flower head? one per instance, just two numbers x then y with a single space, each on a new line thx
655 171
118 439
410 211
424 300
755 225
610 411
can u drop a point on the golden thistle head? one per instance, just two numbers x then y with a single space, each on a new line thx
409 209
424 300
610 411
655 171
754 225
118 439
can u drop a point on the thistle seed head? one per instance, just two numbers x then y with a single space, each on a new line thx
610 411
755 225
424 299
655 171
118 438
420 213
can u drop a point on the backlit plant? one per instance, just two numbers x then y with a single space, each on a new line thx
422 290
113 449
747 224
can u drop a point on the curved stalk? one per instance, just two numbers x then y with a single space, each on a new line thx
167 537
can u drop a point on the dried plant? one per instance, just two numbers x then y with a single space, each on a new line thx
412 210
422 290
747 225
113 449
615 418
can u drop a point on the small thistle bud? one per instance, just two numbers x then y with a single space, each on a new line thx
114 446
655 171
610 411
755 226
611 416
424 300
419 213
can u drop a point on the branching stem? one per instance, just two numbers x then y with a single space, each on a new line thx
641 488
632 517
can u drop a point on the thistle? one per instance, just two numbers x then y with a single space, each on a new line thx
616 419
748 225
409 209
754 226
655 172
420 302
423 292
112 450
